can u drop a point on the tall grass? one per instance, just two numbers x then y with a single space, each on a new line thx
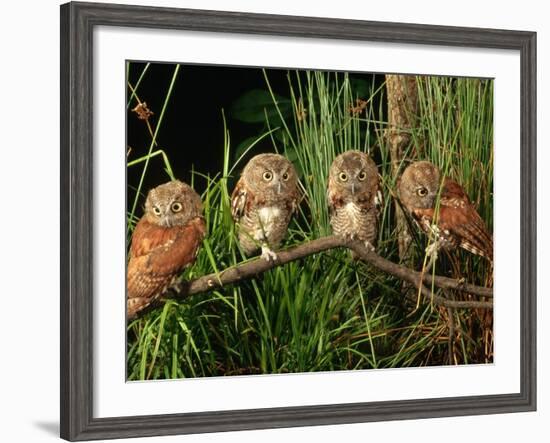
325 312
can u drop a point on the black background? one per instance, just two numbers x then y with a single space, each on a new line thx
191 132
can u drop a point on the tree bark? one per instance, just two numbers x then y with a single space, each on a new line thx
402 94
257 266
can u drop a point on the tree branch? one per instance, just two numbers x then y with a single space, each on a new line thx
258 266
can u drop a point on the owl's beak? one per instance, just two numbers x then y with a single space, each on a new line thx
278 187
352 188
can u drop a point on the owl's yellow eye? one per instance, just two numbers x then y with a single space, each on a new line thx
343 177
422 192
176 207
362 176
156 210
286 176
267 176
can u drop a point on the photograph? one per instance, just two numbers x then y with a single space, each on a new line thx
293 221
277 220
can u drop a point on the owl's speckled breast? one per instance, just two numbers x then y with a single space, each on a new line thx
353 212
351 221
265 224
269 217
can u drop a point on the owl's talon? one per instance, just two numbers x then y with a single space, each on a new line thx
176 286
432 250
268 255
370 246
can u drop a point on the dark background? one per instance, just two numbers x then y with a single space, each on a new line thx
191 132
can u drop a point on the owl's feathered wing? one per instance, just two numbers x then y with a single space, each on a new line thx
241 199
458 218
157 255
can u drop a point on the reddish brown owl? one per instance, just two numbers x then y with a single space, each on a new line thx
165 241
263 202
354 197
458 224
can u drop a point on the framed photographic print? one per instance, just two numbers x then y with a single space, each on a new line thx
274 221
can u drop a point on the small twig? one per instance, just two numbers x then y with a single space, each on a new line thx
451 321
143 112
252 268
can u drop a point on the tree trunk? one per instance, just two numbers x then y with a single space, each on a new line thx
402 93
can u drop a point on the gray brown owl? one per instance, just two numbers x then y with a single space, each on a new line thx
458 223
354 197
165 240
263 202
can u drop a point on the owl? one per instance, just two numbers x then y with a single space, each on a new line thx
354 197
263 202
165 240
457 225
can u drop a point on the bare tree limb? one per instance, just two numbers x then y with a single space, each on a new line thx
252 268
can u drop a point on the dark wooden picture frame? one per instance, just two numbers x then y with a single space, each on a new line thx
77 216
